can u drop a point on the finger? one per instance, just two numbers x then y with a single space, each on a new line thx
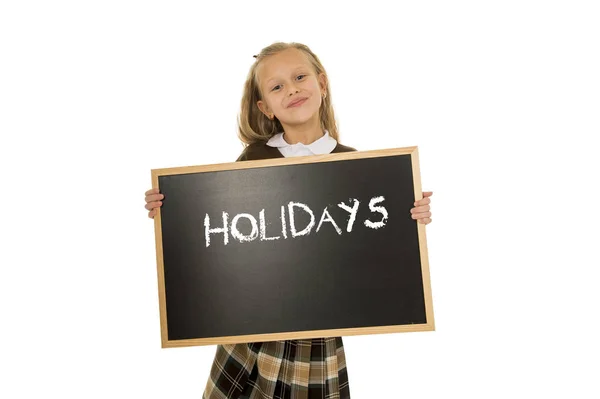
419 209
152 191
427 193
424 221
152 213
422 215
424 201
154 197
151 205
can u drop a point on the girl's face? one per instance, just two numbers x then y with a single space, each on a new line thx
290 88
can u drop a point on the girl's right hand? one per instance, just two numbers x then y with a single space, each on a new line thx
153 201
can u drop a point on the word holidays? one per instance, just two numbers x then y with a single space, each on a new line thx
259 227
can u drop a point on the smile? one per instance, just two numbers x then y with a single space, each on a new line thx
297 103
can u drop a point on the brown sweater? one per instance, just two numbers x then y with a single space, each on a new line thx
261 150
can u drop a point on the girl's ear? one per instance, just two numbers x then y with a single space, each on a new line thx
322 78
264 108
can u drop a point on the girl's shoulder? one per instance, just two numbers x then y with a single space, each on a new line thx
259 150
342 148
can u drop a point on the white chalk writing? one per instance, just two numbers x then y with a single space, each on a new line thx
259 228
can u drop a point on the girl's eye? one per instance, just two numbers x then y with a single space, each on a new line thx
299 77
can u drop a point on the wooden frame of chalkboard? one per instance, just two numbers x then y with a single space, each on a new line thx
295 285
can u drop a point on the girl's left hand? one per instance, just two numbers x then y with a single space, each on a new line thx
422 210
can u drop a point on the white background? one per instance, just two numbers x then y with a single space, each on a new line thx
502 98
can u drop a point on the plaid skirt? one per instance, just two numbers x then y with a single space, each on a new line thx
296 369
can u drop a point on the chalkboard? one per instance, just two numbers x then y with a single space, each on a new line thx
291 248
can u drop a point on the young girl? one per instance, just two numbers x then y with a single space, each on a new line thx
286 111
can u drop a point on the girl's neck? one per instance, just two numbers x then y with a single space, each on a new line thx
302 133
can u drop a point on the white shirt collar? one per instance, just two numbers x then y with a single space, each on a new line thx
323 145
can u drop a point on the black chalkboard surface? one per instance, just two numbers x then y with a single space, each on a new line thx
292 248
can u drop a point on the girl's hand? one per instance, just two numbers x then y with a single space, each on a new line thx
422 210
153 201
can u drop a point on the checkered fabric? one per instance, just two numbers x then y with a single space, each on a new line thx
294 369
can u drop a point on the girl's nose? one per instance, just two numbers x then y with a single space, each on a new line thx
293 91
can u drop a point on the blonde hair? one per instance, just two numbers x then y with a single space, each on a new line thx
253 125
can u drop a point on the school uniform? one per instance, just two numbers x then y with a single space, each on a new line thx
292 369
